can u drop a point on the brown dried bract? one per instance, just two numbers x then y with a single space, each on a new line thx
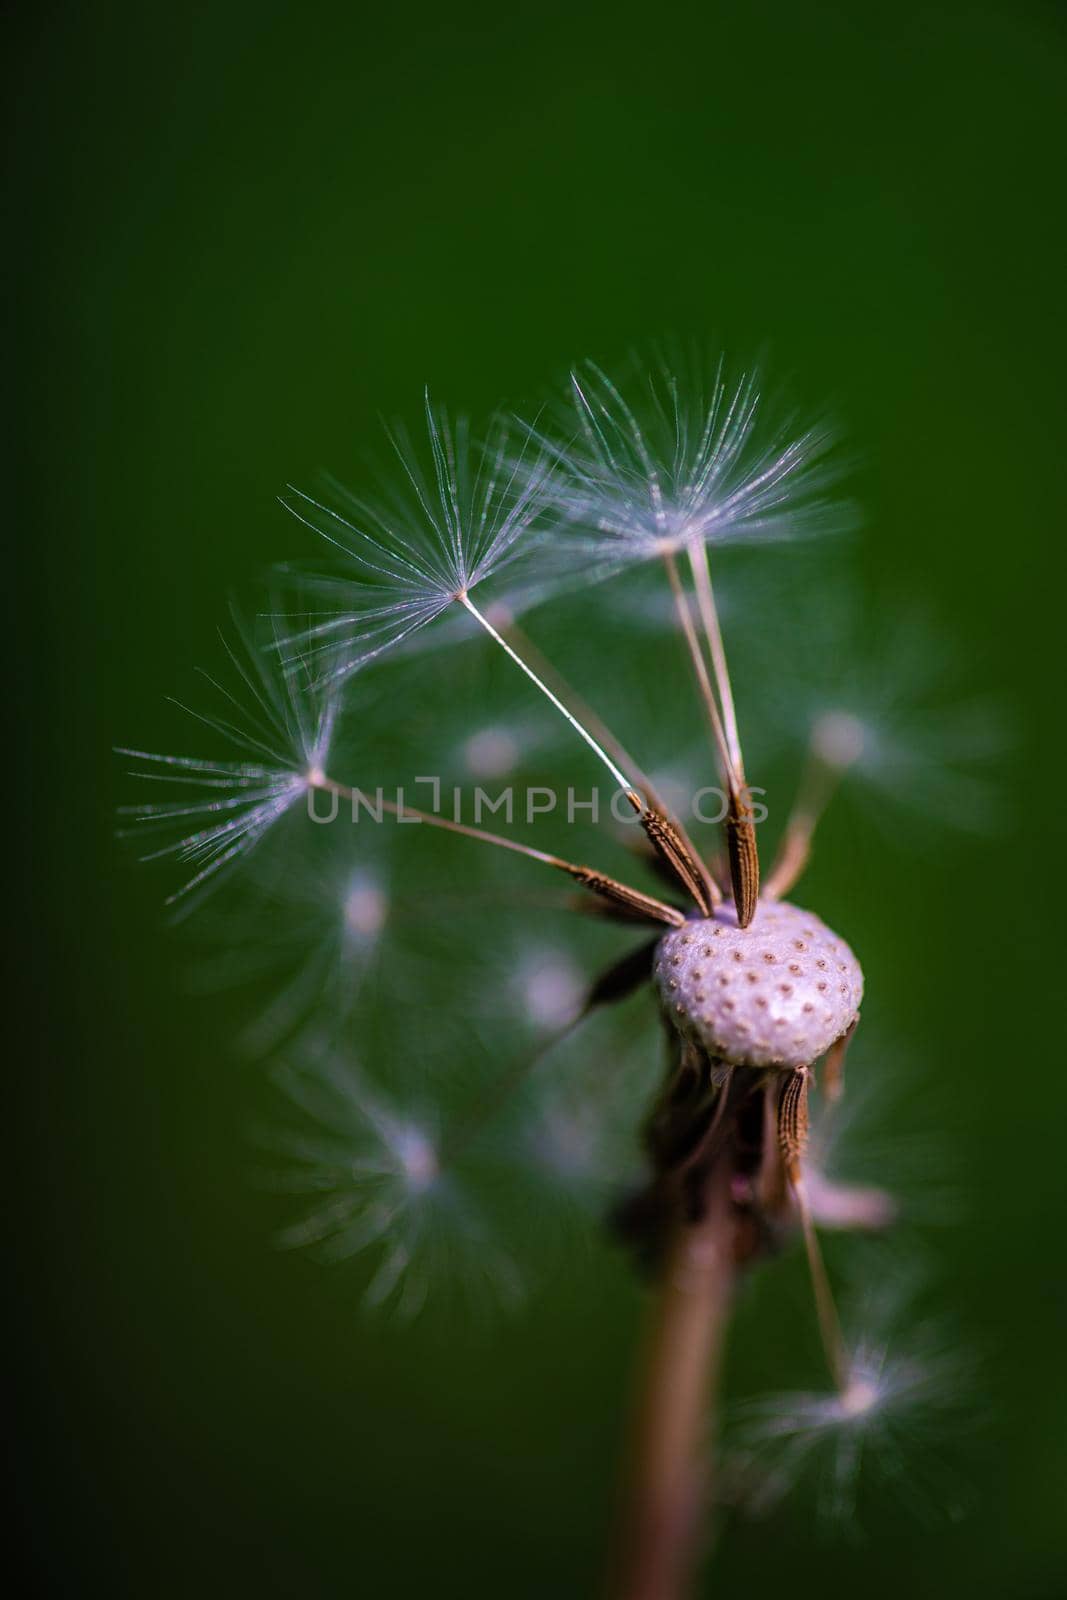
642 905
667 841
744 858
793 1121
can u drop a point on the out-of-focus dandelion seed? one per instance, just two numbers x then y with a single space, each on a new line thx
365 908
878 701
838 739
883 1425
848 1205
329 926
566 1141
491 753
384 1186
280 723
551 989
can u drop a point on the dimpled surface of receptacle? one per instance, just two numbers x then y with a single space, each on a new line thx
774 994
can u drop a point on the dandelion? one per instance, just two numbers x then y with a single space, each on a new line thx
757 996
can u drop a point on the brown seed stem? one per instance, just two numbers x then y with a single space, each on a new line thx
598 883
616 749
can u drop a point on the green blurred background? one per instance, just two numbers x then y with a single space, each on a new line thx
240 233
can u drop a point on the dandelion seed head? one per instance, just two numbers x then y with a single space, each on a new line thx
777 993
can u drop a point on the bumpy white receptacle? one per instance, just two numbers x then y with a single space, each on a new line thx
774 994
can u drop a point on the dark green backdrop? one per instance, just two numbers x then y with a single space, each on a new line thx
239 232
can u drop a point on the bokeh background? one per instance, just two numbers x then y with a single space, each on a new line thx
239 234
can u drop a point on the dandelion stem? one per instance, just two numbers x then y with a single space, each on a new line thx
601 754
669 1472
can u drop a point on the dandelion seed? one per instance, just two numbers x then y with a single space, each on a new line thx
884 1424
551 989
682 454
281 723
411 557
408 556
490 753
885 716
387 1190
326 926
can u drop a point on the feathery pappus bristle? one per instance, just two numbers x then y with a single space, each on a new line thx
681 450
454 518
279 723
